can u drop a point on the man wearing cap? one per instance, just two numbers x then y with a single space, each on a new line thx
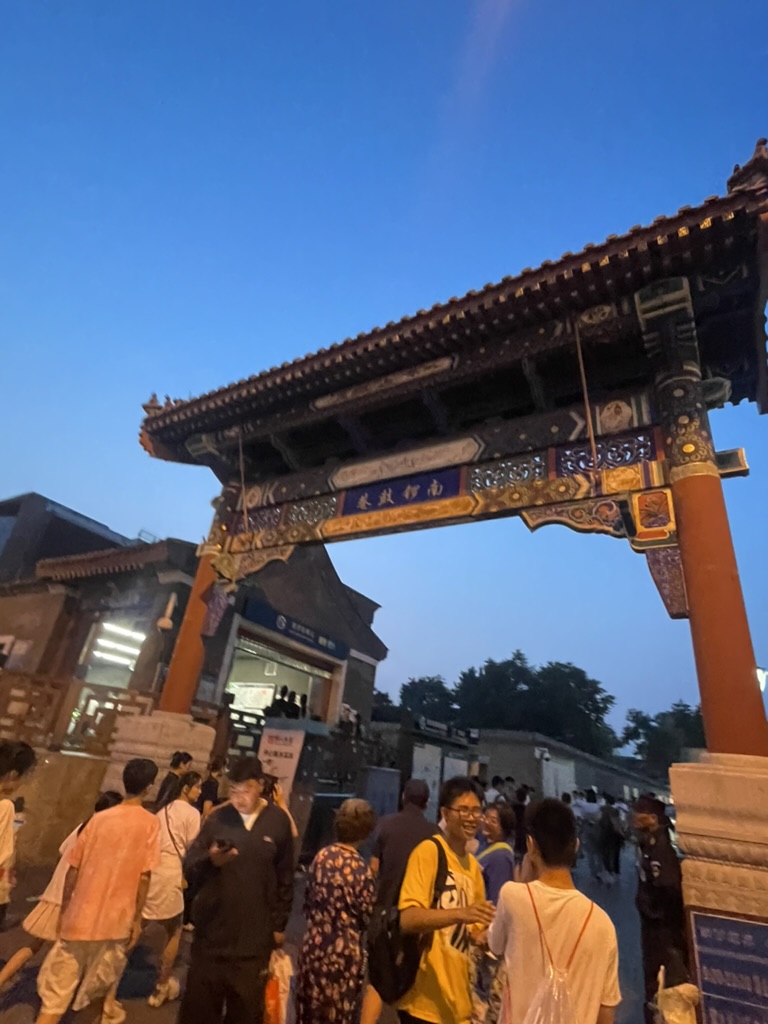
659 900
241 869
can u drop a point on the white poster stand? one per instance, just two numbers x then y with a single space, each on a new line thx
279 753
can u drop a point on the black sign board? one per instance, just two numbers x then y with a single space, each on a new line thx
732 968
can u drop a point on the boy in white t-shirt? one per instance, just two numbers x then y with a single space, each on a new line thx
549 913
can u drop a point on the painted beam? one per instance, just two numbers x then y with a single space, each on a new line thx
497 439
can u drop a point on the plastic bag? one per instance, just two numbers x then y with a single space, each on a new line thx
277 999
272 1011
552 1003
676 1005
489 988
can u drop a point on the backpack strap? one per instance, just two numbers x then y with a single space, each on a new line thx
440 878
170 833
581 936
442 873
543 937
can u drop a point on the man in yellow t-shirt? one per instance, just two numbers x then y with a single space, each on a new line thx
442 992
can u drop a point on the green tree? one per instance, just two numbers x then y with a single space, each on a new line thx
566 704
659 740
493 697
557 699
384 708
428 696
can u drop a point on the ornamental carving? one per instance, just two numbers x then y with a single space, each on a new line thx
612 453
653 511
595 516
722 822
256 519
685 422
721 886
507 472
310 512
533 494
218 603
666 570
654 517
615 416
630 478
596 315
299 533
261 494
735 853
237 567
596 319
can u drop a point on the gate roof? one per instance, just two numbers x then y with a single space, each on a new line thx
506 350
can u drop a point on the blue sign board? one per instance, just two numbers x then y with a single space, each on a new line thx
732 968
265 615
406 490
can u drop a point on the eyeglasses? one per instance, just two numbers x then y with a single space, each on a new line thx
467 813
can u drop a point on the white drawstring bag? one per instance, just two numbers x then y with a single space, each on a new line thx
676 1005
552 1003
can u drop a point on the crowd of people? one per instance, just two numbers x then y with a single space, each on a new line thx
475 917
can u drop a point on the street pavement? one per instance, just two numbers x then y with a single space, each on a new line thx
19 1006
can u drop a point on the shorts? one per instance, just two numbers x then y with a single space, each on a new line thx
83 971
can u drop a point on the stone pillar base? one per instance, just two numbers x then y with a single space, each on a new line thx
722 825
157 736
59 794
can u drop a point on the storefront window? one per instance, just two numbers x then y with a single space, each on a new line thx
111 656
259 673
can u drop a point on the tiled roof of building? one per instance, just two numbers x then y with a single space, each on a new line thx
179 554
576 281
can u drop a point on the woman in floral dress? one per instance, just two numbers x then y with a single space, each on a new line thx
338 905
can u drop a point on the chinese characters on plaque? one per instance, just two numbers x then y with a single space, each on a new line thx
732 968
413 490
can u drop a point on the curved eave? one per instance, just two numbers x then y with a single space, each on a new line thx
599 273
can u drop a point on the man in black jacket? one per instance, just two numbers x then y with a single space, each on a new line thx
659 901
241 869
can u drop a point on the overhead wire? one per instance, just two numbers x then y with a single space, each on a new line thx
585 396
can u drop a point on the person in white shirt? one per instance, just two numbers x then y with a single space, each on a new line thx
589 834
547 917
494 791
179 826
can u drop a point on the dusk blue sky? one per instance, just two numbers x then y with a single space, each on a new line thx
194 191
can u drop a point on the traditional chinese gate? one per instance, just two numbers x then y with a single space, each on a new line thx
577 393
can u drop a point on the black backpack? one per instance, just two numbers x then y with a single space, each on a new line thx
394 958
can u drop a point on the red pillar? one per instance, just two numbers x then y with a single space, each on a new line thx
731 702
187 660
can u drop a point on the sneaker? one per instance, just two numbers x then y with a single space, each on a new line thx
159 996
113 1013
